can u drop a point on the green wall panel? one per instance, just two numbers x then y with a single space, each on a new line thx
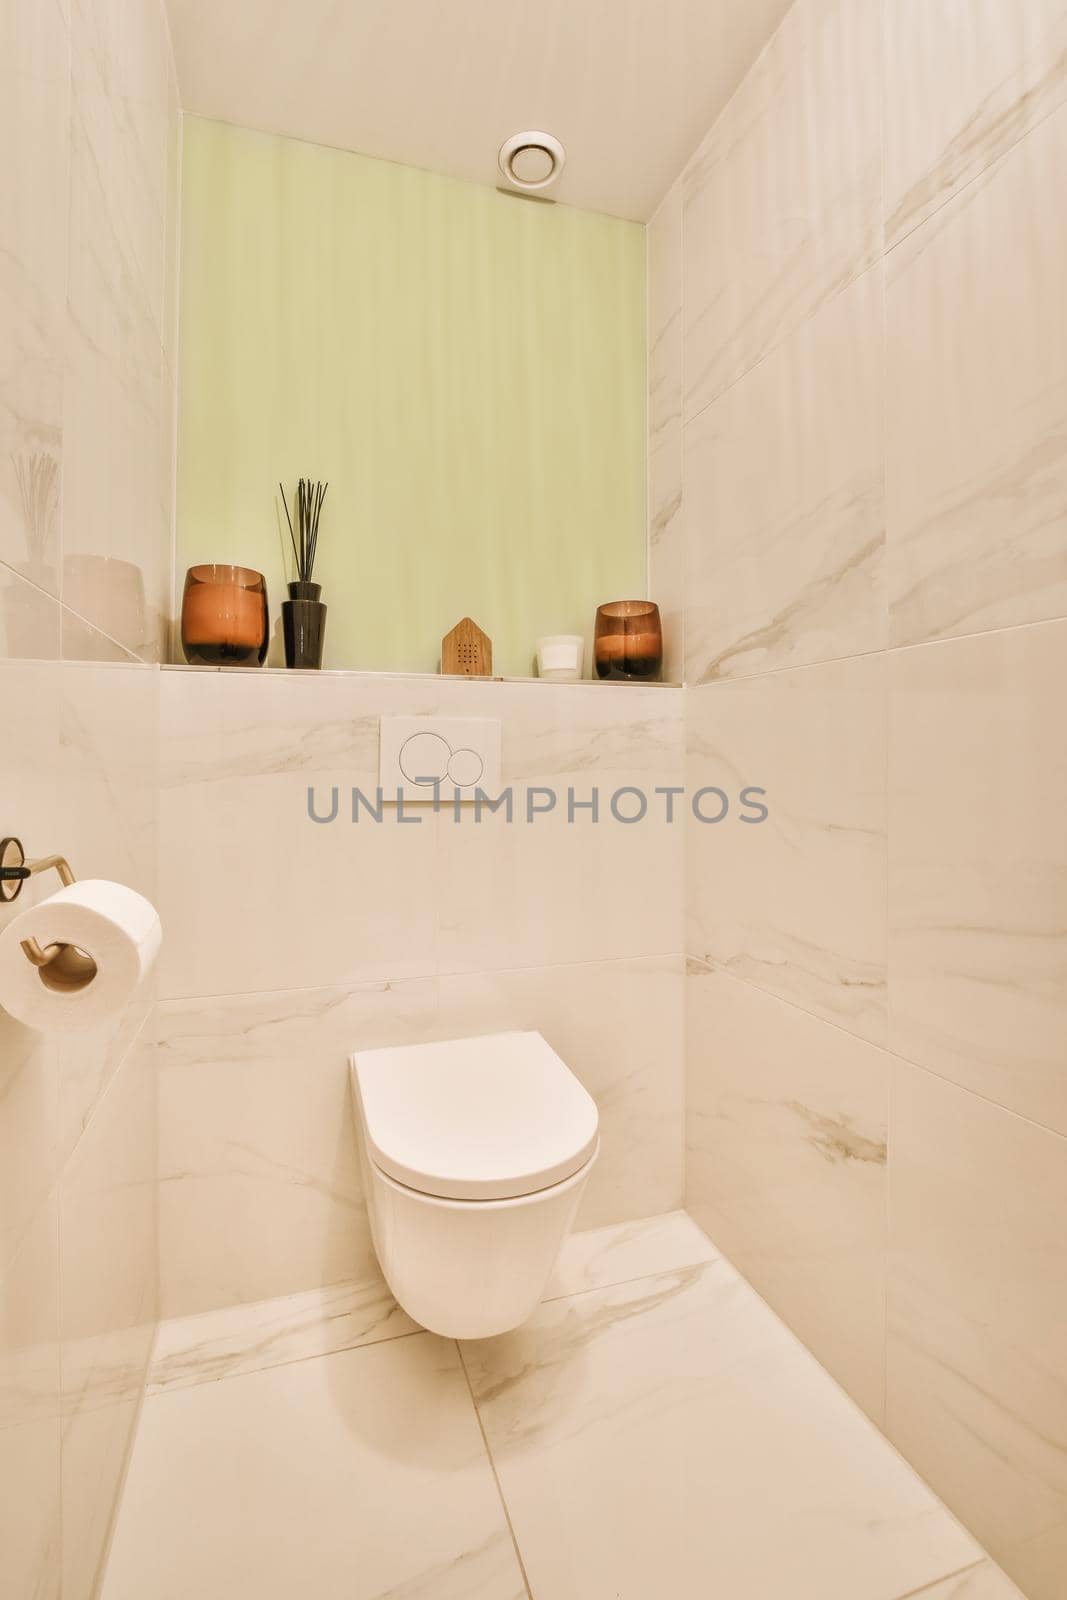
467 369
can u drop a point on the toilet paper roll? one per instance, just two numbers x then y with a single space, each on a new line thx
115 926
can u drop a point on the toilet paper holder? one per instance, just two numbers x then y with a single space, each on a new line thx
62 966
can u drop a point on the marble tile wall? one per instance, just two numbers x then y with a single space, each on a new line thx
90 129
860 535
88 240
292 943
78 1176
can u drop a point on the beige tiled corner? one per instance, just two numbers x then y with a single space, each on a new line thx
983 1582
29 1097
236 1340
116 545
784 491
34 194
30 1414
666 549
363 1473
670 1436
596 1258
619 1027
30 706
260 1191
108 1249
786 1168
963 83
664 267
107 757
977 1381
796 903
978 865
976 403
783 198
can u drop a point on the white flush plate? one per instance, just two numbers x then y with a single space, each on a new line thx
424 756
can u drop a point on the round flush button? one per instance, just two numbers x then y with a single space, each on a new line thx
465 768
424 758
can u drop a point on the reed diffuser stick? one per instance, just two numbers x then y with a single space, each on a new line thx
304 538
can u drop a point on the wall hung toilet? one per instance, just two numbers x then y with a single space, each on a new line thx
474 1154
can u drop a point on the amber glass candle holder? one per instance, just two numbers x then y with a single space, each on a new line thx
225 622
629 640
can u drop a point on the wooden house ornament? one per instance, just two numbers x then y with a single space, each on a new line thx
467 652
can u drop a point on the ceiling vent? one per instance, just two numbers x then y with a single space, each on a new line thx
532 161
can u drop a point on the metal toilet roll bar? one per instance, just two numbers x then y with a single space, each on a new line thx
63 967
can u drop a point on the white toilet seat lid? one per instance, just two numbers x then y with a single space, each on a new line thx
491 1118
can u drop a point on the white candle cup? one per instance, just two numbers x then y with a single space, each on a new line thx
560 657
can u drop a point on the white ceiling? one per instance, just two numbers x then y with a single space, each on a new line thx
629 86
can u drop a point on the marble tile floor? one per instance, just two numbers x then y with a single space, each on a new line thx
653 1430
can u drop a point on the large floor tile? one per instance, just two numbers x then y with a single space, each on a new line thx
977 875
786 1168
355 1477
785 566
977 1360
795 904
976 404
965 80
672 1437
783 198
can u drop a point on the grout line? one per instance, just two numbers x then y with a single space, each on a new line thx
984 172
410 1333
358 985
890 651
129 658
496 1475
797 666
641 1277
916 1594
273 1366
862 266
870 1044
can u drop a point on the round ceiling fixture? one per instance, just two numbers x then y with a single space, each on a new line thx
531 160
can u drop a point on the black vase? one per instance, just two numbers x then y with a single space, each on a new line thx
304 625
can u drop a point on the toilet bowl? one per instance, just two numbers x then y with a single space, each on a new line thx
474 1155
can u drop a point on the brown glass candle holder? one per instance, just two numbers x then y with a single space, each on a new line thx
225 620
629 640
